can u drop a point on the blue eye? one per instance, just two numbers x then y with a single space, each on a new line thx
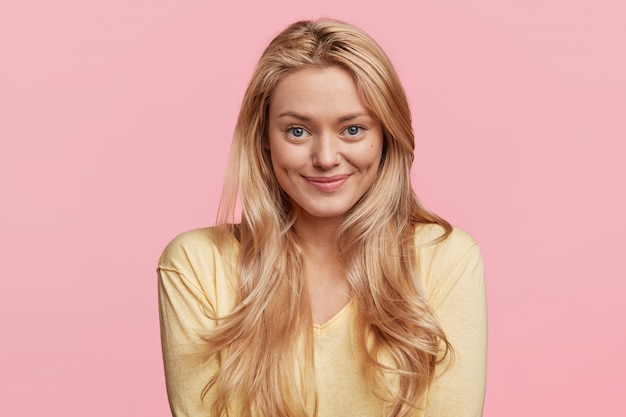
297 132
353 130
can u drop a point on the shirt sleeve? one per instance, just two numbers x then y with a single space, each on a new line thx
459 304
181 317
186 314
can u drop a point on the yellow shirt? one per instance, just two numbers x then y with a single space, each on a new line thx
193 284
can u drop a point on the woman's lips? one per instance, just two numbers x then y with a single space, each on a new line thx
327 184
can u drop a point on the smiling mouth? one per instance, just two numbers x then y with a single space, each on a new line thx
327 184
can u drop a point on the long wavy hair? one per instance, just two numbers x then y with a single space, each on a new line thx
269 334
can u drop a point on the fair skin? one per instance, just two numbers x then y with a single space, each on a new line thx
326 149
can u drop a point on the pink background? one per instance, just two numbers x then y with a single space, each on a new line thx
115 123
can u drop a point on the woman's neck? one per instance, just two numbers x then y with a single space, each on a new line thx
317 235
325 274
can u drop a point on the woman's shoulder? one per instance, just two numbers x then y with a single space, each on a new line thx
442 260
196 246
432 236
201 264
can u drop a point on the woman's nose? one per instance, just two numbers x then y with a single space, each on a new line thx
325 151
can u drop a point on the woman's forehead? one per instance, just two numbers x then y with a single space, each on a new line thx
315 92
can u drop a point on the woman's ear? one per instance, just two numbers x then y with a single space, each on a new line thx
265 141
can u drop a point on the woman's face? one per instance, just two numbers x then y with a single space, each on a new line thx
324 144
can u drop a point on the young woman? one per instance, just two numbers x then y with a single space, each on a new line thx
336 293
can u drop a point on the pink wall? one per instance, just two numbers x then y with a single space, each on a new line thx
115 121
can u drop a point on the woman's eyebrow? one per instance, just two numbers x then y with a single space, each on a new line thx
354 115
295 115
345 118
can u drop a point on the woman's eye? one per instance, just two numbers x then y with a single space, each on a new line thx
353 130
297 132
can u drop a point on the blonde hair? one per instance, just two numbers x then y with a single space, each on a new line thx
270 331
